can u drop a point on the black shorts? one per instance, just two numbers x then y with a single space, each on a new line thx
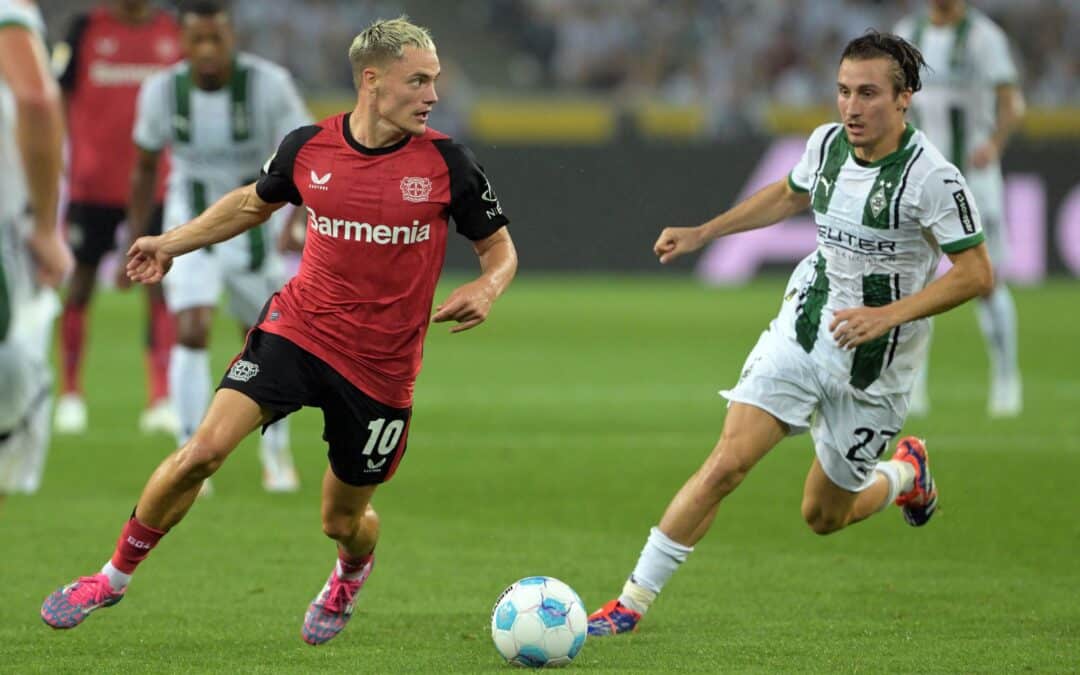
91 229
367 439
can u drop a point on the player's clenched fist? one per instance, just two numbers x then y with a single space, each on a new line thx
675 241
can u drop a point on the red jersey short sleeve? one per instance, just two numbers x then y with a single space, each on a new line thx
376 239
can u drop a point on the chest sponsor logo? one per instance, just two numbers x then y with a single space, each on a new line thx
415 189
383 235
852 242
319 182
109 74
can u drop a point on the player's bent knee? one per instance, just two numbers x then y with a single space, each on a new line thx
821 521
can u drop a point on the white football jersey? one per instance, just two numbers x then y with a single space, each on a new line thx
218 139
882 227
967 61
13 195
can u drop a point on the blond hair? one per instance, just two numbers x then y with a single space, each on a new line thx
384 40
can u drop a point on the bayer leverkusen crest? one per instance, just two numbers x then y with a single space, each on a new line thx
415 189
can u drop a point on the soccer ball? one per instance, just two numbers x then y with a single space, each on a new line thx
538 622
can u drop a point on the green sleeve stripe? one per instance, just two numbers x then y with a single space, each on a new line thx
791 183
7 23
963 244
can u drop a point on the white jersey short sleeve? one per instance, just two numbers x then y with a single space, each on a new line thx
801 178
151 130
949 211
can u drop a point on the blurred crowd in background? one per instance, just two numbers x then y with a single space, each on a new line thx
733 57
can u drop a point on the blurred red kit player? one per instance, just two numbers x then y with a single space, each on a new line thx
106 55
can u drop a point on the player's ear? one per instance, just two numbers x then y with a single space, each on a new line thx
903 100
369 79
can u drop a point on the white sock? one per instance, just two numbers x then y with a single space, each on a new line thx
274 446
900 476
117 579
657 562
347 576
189 387
997 319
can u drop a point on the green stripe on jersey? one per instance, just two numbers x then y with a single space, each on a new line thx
5 301
957 120
869 358
181 121
808 315
240 112
964 244
825 184
256 248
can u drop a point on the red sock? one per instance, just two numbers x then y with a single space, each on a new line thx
135 543
72 341
161 334
348 565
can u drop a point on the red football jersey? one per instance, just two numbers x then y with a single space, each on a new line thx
376 239
108 61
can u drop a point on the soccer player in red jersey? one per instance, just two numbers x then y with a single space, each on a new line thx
107 54
346 333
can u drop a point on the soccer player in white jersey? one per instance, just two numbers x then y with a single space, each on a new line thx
969 106
839 358
221 112
33 257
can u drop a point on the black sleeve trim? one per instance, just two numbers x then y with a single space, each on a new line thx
473 203
73 40
275 184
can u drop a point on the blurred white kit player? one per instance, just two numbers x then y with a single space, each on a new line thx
26 310
969 103
219 140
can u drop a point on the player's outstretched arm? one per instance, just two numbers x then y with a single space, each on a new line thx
970 276
140 201
767 206
150 258
39 131
470 304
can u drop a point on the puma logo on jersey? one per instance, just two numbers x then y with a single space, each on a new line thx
951 180
351 230
319 182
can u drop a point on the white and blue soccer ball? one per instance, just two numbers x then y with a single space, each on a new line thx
539 622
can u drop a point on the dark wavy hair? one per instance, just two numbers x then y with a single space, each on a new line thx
907 60
202 7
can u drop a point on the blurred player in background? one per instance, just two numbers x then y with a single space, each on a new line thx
344 335
221 113
33 257
107 54
970 104
839 359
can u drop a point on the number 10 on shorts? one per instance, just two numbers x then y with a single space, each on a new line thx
382 439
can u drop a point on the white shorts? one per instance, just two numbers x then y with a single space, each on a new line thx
197 279
850 428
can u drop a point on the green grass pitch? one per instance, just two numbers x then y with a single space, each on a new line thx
548 441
